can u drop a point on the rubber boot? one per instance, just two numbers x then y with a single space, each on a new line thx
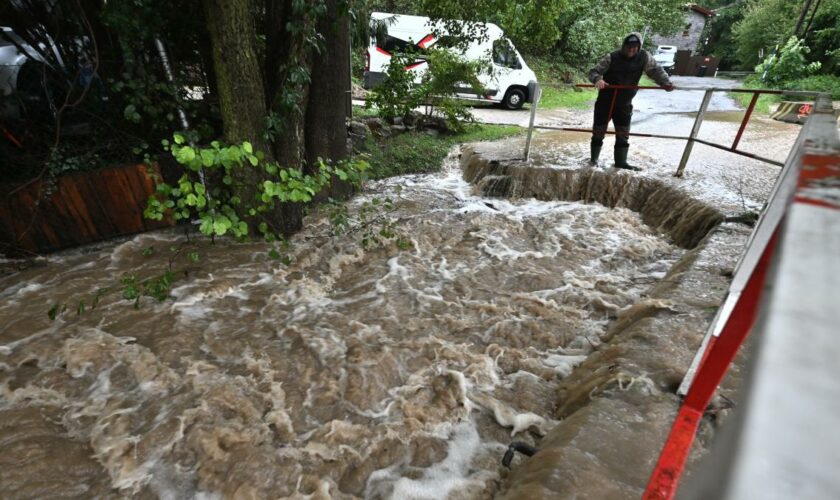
595 153
621 160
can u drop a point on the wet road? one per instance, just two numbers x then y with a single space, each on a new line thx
734 184
646 104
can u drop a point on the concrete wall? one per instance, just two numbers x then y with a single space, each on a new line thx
684 41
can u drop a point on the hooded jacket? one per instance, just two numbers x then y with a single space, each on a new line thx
618 69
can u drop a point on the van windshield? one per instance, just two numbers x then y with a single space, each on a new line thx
397 45
504 54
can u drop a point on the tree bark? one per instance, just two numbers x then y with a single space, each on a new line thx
242 98
285 52
238 70
325 128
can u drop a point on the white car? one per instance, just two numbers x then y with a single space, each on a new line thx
666 56
510 82
11 60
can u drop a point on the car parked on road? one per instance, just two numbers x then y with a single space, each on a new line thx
666 56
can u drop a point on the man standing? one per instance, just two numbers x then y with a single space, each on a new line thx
621 67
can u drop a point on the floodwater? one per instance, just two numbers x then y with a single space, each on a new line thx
380 372
351 372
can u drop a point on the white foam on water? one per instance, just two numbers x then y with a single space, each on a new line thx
563 364
437 481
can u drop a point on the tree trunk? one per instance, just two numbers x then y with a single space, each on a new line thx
285 53
805 7
329 93
238 74
242 98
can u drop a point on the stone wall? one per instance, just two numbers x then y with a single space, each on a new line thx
685 39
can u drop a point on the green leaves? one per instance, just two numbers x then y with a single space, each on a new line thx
130 113
222 208
221 225
55 310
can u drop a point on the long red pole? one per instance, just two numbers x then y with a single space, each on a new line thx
745 120
742 91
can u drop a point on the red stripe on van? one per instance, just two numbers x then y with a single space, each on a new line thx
426 41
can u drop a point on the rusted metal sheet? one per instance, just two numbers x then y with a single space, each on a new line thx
80 208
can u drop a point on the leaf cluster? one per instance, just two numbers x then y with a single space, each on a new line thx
403 90
213 191
787 64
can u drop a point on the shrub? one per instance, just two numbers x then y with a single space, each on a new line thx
788 64
400 93
819 83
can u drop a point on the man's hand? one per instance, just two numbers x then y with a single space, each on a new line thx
600 84
668 88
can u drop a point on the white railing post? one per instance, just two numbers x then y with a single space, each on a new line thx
707 97
534 102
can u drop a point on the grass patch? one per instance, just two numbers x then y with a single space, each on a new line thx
574 98
553 75
419 152
363 112
761 106
764 101
645 81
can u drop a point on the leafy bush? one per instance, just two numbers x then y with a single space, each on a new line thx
448 71
788 64
400 93
819 83
215 204
397 95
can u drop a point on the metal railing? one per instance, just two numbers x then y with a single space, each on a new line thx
783 442
698 121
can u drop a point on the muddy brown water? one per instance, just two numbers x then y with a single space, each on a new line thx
352 372
560 315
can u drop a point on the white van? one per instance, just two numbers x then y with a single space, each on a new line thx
511 82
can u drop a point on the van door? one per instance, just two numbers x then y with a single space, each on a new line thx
506 65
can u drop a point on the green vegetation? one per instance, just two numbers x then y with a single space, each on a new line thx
558 80
788 69
744 31
575 98
819 83
765 101
229 206
400 94
575 32
419 152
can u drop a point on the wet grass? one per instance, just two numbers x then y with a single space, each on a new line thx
761 106
420 152
573 98
558 82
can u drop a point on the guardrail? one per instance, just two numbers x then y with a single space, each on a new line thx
733 73
698 121
783 442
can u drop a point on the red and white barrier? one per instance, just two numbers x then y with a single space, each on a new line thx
786 444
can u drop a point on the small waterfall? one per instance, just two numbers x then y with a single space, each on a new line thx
665 208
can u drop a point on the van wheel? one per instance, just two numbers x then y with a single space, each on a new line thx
514 99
